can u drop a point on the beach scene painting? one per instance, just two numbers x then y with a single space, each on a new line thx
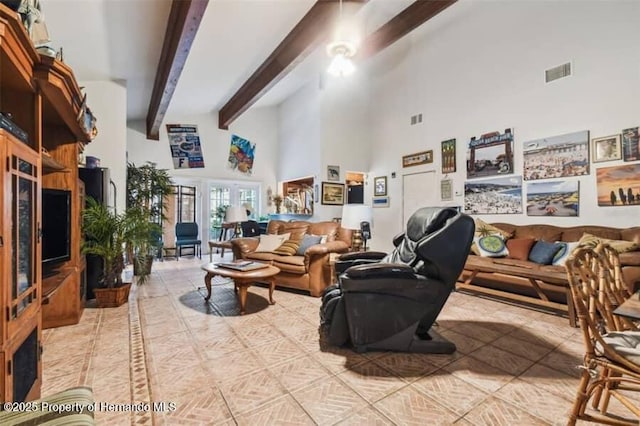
557 156
560 198
493 196
618 186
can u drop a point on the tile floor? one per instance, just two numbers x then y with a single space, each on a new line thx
513 365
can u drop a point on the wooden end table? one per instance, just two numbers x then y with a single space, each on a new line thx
242 280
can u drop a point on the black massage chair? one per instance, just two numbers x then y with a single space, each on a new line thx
389 302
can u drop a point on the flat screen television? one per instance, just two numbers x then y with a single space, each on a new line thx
56 226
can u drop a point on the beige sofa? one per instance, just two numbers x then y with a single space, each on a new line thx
312 271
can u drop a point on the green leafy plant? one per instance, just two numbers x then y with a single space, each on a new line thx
147 188
105 236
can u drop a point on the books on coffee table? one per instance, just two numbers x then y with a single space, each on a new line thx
242 265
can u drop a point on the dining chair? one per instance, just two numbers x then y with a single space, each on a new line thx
611 365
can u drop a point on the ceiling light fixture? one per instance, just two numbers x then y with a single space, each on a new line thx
341 51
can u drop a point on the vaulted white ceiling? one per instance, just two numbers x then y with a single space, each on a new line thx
122 39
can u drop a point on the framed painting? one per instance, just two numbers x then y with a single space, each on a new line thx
448 156
491 154
555 198
418 158
618 185
607 148
380 202
332 193
333 173
557 156
631 144
493 196
446 190
380 186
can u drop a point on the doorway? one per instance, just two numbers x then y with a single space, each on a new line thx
418 190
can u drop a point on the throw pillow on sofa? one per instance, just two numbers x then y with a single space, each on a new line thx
308 241
491 246
565 251
519 248
542 252
270 242
621 246
483 229
288 248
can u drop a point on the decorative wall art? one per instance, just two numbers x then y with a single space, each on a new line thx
417 158
333 173
333 193
380 186
241 155
184 142
490 155
619 185
607 148
559 198
380 202
557 156
493 196
631 144
446 190
448 156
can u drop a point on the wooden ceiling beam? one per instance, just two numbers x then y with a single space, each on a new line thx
182 26
400 25
313 29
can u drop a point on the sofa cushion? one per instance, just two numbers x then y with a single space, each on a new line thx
483 229
308 241
291 264
621 246
564 252
519 248
538 232
542 252
288 248
262 256
269 243
491 246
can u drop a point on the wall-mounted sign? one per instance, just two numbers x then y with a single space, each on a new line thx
185 146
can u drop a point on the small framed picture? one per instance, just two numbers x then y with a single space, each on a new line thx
448 156
446 190
417 158
380 202
607 148
332 193
631 144
333 173
380 186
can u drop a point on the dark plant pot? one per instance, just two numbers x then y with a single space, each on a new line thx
112 297
143 267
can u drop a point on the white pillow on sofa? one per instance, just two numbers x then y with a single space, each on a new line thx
566 248
491 246
270 242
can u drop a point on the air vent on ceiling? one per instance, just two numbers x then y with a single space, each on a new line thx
558 72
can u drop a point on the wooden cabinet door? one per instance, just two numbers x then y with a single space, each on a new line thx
22 234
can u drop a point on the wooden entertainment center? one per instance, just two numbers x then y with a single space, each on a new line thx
44 100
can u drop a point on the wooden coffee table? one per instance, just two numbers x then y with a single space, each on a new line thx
242 280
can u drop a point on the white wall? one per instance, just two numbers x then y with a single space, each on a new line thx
479 67
325 123
108 102
258 125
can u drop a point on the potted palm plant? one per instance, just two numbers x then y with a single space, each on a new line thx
106 234
147 188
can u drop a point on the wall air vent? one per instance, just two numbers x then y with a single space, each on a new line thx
558 72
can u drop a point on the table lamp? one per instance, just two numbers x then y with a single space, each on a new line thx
236 214
358 218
